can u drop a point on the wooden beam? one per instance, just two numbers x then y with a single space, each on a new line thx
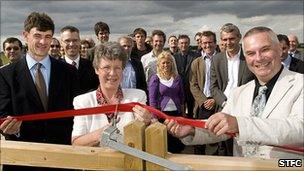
100 158
60 156
156 143
205 162
134 137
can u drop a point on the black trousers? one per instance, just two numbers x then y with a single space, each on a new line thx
174 144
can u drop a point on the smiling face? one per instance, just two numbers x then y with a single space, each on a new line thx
166 64
38 42
109 73
208 44
263 55
70 43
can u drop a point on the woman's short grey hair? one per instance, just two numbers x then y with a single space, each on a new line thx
109 51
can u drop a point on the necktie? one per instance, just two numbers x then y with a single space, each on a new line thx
74 64
258 105
40 86
259 102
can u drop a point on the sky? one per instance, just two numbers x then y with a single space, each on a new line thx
173 17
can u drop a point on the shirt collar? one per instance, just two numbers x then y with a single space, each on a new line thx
235 57
31 62
69 61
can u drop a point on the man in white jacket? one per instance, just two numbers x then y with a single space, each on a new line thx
278 123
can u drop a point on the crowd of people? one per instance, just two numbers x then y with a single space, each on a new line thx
252 88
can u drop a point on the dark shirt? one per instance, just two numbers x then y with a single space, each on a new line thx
137 54
269 85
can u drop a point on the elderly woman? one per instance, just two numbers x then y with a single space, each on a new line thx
109 62
166 93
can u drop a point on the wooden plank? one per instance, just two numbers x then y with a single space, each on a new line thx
205 162
99 158
134 137
60 156
156 143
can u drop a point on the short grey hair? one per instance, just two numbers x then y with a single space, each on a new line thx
261 29
109 51
229 27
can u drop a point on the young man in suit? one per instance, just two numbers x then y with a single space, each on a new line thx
183 59
70 41
273 116
291 63
199 78
36 84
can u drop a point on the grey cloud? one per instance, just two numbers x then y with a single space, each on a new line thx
124 16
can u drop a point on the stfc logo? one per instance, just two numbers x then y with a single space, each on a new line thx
290 163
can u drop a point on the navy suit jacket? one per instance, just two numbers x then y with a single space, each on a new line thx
88 80
296 65
18 96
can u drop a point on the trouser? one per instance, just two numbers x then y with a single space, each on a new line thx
174 144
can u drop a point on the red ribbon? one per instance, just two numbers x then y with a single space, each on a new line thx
127 107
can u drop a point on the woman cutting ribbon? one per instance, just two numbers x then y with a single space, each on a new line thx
109 62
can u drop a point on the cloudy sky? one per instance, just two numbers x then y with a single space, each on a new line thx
173 17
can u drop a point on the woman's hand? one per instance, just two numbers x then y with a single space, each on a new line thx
142 114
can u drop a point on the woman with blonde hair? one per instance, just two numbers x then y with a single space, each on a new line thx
166 93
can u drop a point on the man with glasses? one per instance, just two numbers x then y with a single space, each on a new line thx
70 41
55 49
12 48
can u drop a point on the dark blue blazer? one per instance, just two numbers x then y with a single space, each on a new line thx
18 96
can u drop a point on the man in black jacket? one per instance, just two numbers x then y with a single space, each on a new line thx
22 93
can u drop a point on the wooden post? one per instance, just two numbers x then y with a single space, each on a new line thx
156 143
134 137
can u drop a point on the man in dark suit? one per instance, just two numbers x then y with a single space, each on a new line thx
37 84
133 75
183 60
70 41
291 63
228 70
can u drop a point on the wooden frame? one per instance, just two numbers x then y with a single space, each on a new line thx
103 158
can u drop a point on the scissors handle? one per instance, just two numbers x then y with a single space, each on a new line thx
114 119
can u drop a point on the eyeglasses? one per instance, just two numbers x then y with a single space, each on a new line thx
15 48
108 69
70 41
57 46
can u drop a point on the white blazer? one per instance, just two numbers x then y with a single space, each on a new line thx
89 123
281 122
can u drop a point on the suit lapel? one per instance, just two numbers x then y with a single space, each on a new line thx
223 69
248 96
282 86
25 79
55 82
241 69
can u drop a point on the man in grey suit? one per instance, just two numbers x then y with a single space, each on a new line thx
228 70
